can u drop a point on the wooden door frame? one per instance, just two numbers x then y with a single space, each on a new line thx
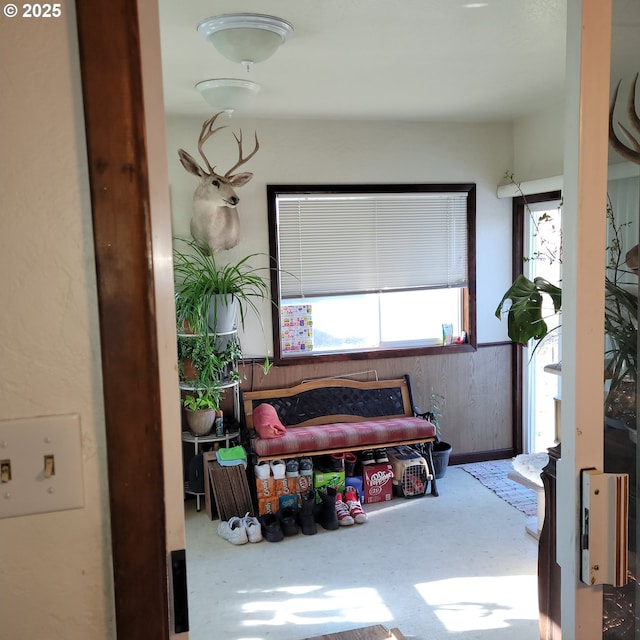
111 71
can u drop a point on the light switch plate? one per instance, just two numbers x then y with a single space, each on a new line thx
28 444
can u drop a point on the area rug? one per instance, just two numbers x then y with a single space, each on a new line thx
493 475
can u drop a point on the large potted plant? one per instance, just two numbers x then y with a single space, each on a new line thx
211 296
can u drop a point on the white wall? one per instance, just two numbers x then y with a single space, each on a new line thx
328 152
55 569
538 143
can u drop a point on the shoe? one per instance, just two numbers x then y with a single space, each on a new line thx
381 456
326 514
288 518
278 469
355 508
252 527
306 514
367 457
292 468
350 460
262 470
335 462
233 530
271 529
305 466
342 512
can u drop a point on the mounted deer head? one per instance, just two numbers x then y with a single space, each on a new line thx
214 223
632 150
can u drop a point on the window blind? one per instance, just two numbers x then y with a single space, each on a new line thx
333 244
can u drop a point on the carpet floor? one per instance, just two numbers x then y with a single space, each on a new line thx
457 566
493 475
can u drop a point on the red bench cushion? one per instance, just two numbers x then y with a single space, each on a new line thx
342 435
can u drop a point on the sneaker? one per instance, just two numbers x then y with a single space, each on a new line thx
278 468
271 529
305 466
292 467
233 530
355 508
381 456
335 462
367 457
342 511
252 527
262 470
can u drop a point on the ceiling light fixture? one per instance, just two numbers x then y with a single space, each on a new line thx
228 94
246 37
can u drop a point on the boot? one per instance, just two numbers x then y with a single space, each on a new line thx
306 515
327 516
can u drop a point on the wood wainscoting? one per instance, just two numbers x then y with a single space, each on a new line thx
480 418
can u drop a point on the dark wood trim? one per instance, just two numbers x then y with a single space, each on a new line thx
371 354
481 456
519 211
111 72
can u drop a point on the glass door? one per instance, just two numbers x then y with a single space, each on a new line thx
542 250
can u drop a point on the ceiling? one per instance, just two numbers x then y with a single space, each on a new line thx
436 60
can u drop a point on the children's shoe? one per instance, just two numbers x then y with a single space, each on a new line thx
350 460
233 530
342 512
355 508
367 457
305 466
252 527
381 456
306 514
278 468
262 470
292 467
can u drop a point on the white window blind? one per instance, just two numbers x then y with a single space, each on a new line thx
359 243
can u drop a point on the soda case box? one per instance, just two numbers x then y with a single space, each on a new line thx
324 479
265 488
377 481
286 486
268 505
290 500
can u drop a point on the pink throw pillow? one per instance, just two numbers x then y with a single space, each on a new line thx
267 423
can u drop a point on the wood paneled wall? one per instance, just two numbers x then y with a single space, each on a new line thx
478 388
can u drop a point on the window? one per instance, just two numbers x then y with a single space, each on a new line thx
368 270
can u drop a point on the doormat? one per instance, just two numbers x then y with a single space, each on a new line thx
493 475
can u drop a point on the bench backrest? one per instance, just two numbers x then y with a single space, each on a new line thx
333 400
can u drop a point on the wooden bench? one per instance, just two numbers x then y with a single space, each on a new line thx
336 415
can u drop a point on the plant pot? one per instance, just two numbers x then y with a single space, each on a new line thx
189 370
223 311
201 422
440 454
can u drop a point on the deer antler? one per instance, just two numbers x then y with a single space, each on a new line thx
242 160
206 132
631 152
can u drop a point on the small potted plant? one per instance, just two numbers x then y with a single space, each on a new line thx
441 450
201 407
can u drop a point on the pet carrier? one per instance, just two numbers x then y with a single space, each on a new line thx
410 471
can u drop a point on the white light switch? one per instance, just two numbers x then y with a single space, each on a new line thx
44 455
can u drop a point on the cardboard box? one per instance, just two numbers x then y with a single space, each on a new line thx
377 480
265 488
268 505
324 479
286 486
290 500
